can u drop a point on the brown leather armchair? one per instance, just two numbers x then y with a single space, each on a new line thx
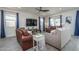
24 38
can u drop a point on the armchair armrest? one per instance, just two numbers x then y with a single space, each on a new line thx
27 38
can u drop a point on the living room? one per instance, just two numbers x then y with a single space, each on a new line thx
49 28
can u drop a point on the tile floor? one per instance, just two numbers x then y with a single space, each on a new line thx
11 44
72 45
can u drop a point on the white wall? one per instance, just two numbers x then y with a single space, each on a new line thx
71 13
73 16
23 16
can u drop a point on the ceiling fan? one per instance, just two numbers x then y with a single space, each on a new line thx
40 9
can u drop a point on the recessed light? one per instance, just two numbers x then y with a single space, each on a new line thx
60 8
18 7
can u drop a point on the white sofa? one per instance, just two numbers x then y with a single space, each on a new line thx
58 38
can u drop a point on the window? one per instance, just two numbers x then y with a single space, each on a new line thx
54 22
10 20
41 23
57 22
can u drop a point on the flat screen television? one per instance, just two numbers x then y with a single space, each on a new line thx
31 22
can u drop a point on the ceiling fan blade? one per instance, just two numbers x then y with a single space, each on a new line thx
41 10
45 10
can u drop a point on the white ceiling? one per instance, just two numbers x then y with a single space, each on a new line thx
53 10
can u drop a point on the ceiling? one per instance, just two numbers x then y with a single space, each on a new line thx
53 10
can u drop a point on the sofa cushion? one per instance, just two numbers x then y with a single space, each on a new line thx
52 27
53 31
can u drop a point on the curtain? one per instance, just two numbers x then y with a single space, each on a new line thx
49 22
17 20
60 20
2 25
43 23
77 24
39 25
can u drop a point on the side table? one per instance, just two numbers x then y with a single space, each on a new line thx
40 40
